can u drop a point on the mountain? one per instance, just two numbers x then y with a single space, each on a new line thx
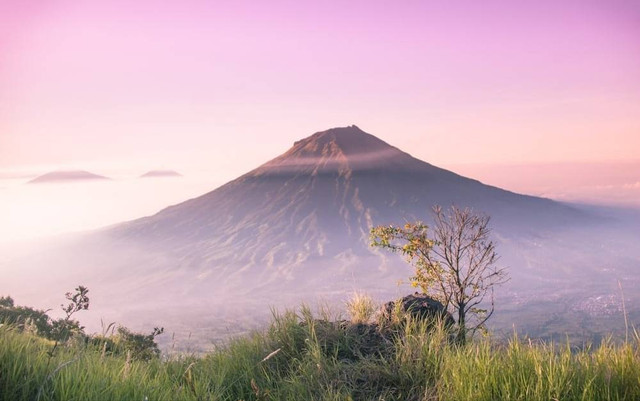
160 173
305 216
66 176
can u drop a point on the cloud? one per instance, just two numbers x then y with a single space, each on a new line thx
635 185
608 194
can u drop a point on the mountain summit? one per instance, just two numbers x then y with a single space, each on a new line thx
343 150
340 148
347 141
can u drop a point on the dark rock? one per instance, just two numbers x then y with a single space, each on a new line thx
420 306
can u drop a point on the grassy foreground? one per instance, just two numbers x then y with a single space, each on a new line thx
301 358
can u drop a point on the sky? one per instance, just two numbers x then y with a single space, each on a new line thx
219 87
233 83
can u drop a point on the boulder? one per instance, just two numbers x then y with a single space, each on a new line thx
420 306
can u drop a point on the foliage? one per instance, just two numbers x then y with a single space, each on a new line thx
62 329
38 322
139 346
6 302
455 262
23 317
302 358
77 301
361 307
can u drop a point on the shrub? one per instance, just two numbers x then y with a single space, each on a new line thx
140 346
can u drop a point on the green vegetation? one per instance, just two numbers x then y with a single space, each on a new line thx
38 322
300 357
67 331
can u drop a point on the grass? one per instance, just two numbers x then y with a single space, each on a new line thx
300 357
361 308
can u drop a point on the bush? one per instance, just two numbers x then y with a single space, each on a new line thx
139 346
23 317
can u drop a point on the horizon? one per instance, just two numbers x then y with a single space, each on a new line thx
77 206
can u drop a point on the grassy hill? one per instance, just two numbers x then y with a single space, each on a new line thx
302 357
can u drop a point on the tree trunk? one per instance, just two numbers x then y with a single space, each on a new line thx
461 337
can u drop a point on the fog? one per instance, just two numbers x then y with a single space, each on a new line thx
565 281
605 183
29 211
32 211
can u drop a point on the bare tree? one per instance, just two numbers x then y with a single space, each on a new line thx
455 262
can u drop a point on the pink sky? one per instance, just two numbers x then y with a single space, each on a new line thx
227 85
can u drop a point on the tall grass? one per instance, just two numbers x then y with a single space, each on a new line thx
361 307
300 357
541 372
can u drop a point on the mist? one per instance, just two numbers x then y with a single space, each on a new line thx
563 281
32 211
603 183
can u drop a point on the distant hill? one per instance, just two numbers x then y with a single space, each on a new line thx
67 176
160 173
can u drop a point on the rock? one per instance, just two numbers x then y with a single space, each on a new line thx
420 306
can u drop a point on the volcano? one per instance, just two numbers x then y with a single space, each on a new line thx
303 219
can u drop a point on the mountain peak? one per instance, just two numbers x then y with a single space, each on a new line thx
339 149
344 140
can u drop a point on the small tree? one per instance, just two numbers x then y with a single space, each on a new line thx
454 263
63 328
